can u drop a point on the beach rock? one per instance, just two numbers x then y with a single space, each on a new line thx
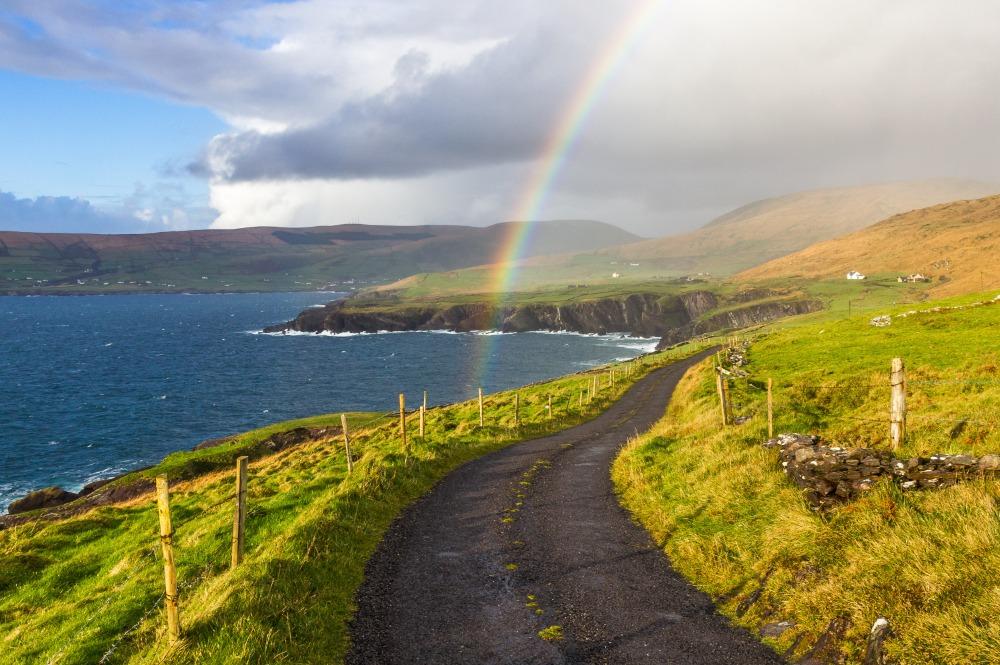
50 497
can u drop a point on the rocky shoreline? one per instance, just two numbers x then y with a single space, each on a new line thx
672 318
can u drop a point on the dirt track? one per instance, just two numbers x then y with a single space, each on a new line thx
457 577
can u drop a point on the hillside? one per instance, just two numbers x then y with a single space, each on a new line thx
268 258
746 237
771 228
921 554
955 244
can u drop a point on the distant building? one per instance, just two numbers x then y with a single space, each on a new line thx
854 274
615 275
915 277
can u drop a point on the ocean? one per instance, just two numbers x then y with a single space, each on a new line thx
93 386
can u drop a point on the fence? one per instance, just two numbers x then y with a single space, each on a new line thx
542 413
896 384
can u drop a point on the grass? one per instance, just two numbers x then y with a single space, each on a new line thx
85 587
723 511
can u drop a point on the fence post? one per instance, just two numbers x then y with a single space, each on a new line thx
240 517
550 407
347 442
581 399
897 407
422 411
719 385
425 400
481 422
770 410
169 566
402 417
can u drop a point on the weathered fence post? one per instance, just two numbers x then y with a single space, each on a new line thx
581 399
720 386
402 417
425 400
169 566
770 410
481 422
240 516
897 407
347 443
517 409
550 407
422 411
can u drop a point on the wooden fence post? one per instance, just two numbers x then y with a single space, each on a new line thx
897 407
402 418
425 400
517 409
240 516
550 407
581 399
770 410
481 422
422 411
719 386
169 566
347 443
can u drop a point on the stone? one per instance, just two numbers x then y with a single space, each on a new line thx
989 463
804 455
50 497
775 629
963 460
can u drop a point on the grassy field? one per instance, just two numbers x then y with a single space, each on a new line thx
89 587
722 509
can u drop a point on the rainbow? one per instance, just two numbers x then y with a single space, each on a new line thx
504 267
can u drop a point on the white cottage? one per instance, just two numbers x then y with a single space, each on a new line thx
854 274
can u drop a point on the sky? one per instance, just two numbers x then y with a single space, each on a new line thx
148 115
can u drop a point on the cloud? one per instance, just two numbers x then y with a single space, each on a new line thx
58 214
439 110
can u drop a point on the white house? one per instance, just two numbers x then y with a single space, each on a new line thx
854 274
615 275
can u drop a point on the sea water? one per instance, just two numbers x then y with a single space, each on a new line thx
93 386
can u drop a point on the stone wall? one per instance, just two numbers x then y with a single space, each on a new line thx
829 475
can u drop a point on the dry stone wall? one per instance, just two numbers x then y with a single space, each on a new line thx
829 475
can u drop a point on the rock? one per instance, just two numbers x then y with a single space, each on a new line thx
989 463
962 460
881 321
804 455
50 497
775 629
875 652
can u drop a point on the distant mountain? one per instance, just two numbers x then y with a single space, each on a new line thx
270 258
956 245
771 228
740 239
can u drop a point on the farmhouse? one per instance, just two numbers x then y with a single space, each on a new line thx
854 274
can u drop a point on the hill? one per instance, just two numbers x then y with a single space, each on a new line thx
955 244
745 237
771 228
268 258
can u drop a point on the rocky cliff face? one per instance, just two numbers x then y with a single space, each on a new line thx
673 318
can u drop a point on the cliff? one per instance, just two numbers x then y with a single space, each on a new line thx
674 318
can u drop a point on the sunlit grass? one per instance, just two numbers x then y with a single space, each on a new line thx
73 590
730 521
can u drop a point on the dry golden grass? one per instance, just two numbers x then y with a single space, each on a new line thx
959 241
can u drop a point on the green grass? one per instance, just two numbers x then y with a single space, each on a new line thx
724 512
71 590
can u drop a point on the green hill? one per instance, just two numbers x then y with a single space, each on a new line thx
268 258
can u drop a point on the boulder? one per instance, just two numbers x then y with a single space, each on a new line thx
50 497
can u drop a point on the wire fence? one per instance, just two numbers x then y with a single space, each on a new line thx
798 396
578 394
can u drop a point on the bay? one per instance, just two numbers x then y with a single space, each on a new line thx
93 386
